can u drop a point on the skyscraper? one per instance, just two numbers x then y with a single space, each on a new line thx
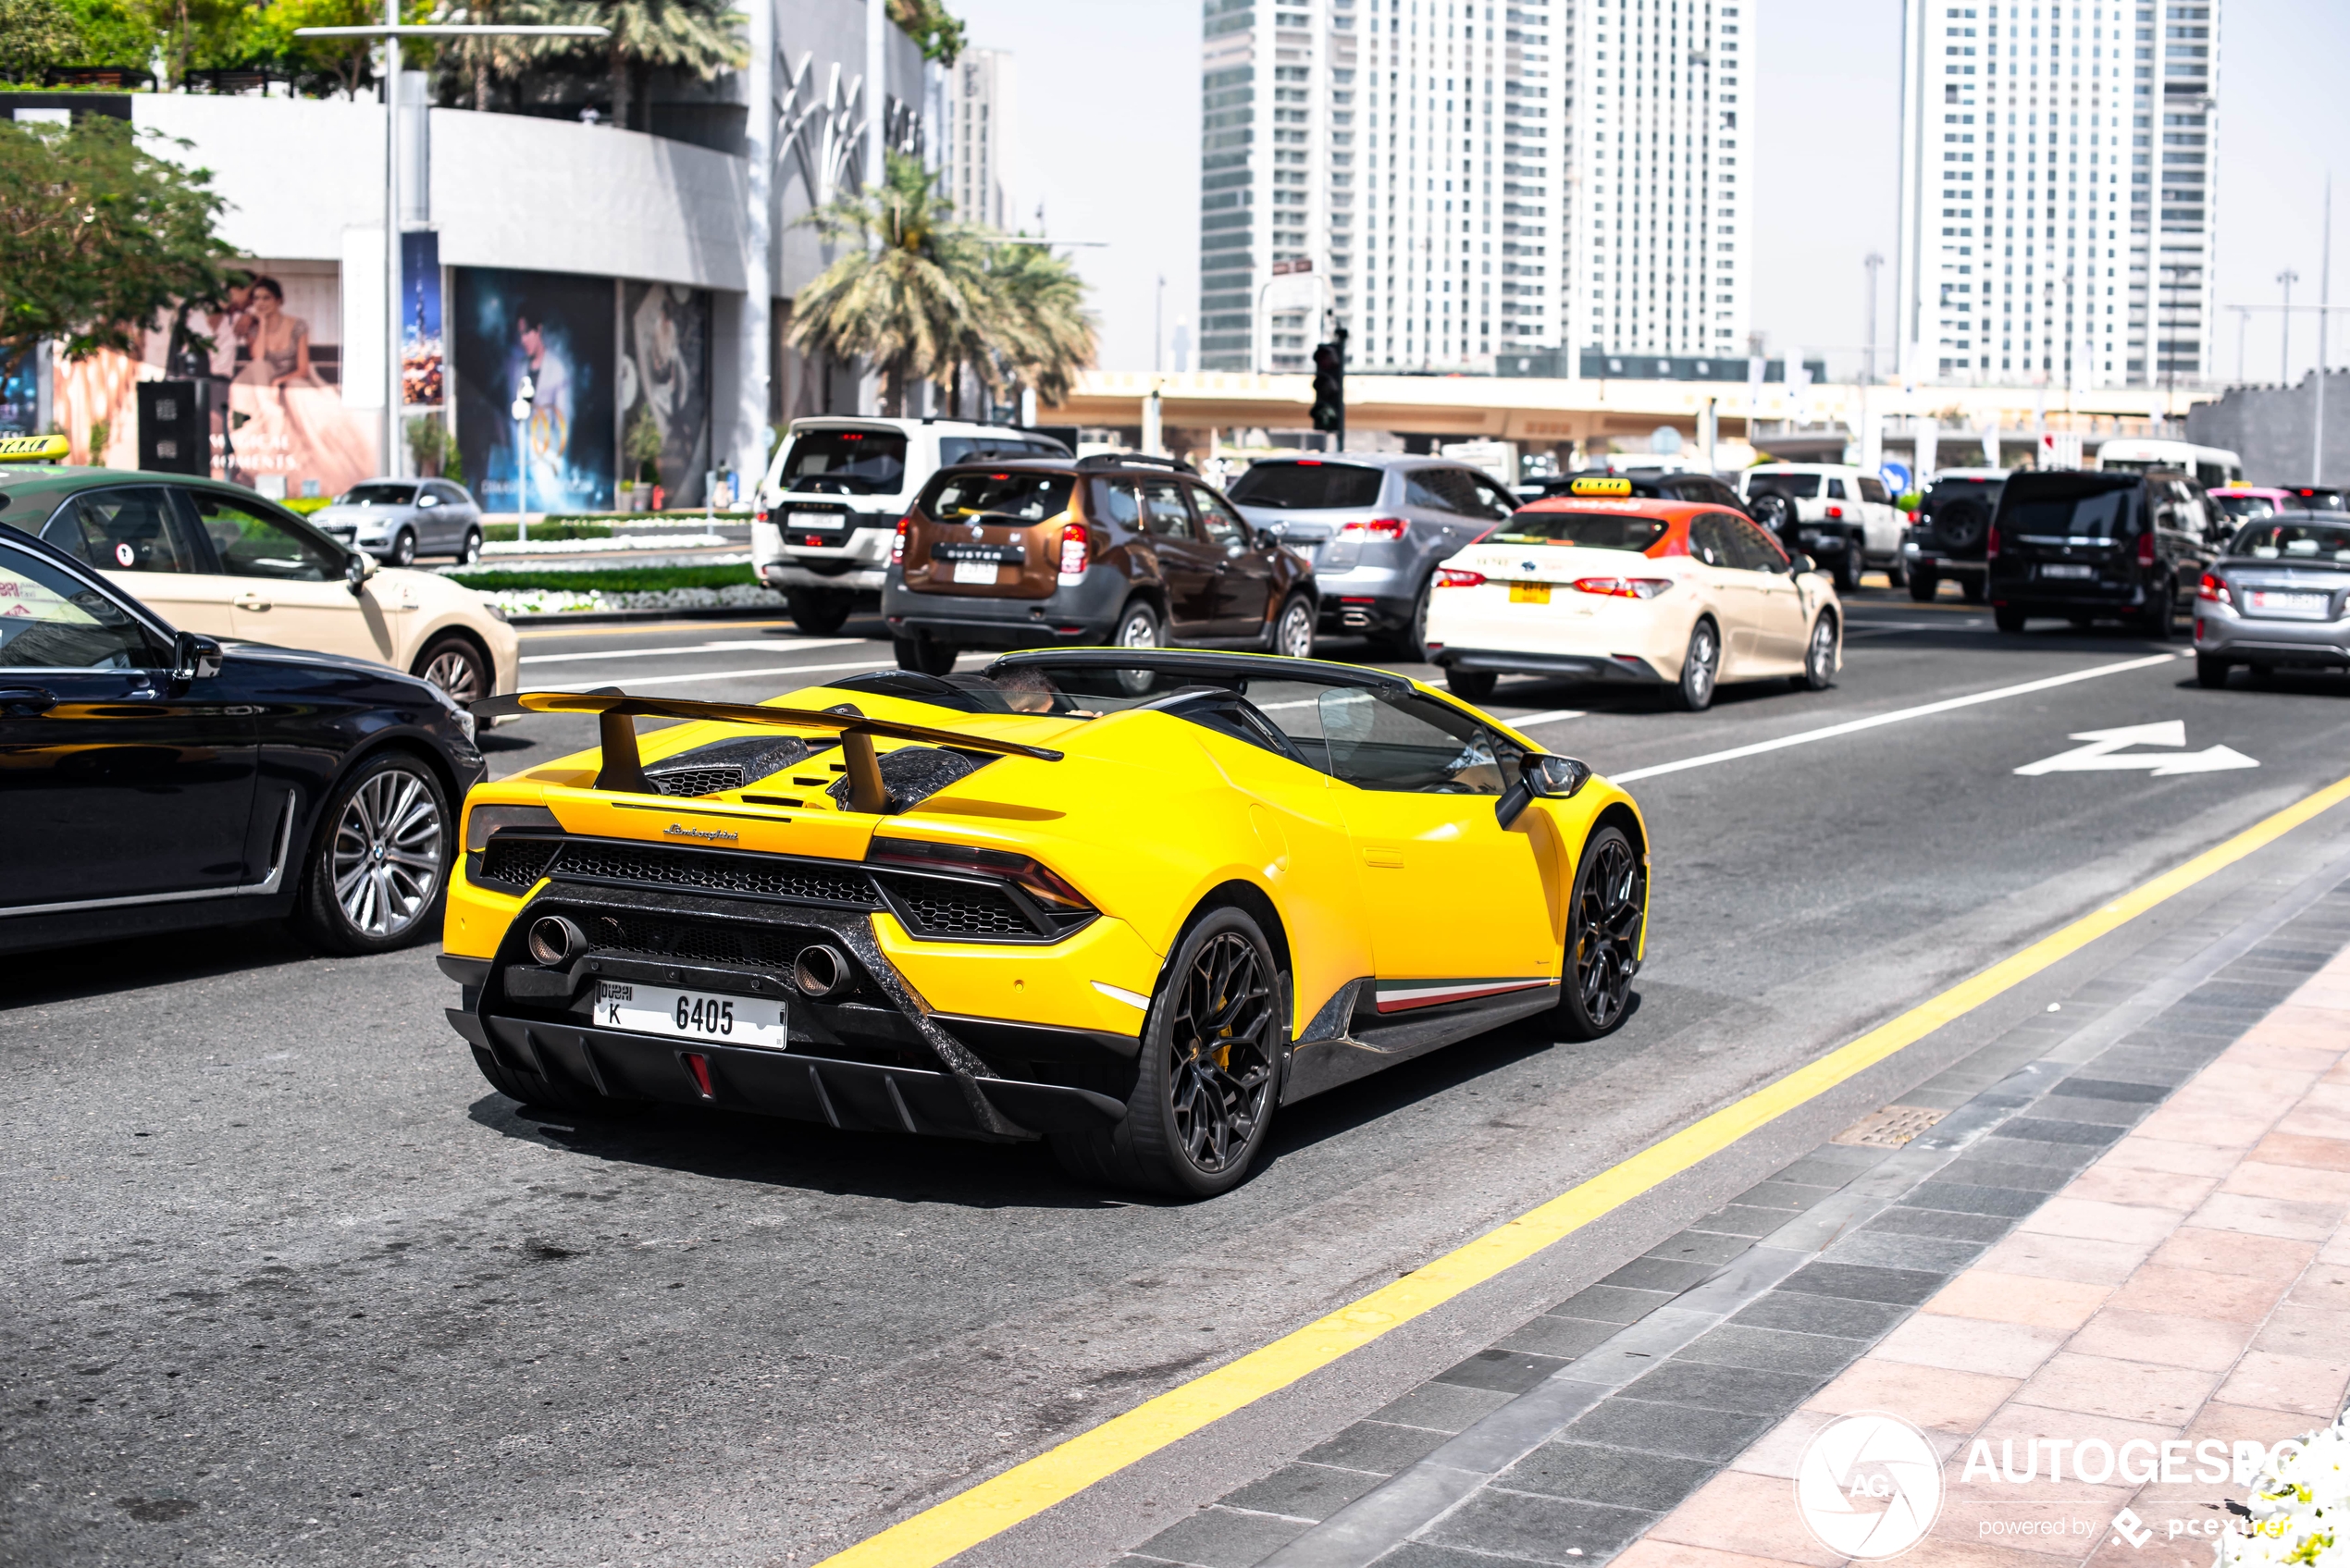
979 120
1465 179
2056 190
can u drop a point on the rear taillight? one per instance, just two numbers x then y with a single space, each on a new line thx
1377 528
760 516
1455 577
1835 513
1076 550
2145 548
1991 544
1623 588
898 544
2213 590
1037 880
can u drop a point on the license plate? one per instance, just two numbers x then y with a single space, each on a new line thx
1529 593
2068 570
2301 607
975 572
692 1015
819 520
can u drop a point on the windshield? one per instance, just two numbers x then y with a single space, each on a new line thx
1589 530
1796 487
377 495
2244 509
2069 512
1308 487
1021 498
851 463
2294 541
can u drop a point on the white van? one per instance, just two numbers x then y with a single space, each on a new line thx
830 503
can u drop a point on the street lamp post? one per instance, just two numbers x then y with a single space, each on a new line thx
390 31
2288 278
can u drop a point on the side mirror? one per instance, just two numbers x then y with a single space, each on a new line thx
1540 777
194 658
357 567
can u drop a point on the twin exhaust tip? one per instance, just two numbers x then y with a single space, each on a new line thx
820 970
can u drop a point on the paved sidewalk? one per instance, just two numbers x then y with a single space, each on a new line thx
2126 1224
2194 1283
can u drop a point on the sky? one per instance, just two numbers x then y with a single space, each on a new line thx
1110 145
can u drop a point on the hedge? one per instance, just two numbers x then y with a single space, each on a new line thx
624 580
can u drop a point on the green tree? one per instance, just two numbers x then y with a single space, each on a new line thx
99 237
1042 333
692 35
198 34
112 33
351 60
911 293
927 23
34 36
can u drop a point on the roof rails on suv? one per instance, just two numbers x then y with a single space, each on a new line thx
1134 460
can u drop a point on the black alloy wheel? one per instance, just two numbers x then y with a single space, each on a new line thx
1850 566
470 552
403 548
820 612
2161 619
1291 633
1471 686
1701 667
2210 671
379 860
457 666
1974 590
920 653
1604 939
1409 642
1819 655
1923 586
1208 1073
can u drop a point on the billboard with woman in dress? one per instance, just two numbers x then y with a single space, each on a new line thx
534 372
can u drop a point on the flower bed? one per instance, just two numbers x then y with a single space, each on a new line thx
2299 1504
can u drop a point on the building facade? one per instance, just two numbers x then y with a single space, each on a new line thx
2056 199
1456 180
978 120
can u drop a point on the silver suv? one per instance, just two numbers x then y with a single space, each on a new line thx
829 506
1375 526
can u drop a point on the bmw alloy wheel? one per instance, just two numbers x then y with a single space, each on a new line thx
386 853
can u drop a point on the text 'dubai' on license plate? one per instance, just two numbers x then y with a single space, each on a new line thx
1529 593
692 1015
2299 606
817 520
975 572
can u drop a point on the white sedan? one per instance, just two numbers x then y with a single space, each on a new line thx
1607 587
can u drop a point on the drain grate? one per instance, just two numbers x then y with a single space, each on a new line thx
1890 1128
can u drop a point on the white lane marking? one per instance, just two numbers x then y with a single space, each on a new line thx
769 645
2098 755
732 674
1552 717
1854 726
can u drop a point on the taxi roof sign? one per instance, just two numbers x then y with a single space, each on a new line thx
34 448
1600 487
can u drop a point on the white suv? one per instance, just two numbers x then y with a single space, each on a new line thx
1843 518
830 503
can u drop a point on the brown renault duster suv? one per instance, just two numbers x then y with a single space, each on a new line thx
1115 549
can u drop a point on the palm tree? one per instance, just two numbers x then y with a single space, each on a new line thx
912 293
1045 335
700 36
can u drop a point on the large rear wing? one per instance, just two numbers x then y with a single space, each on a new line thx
623 768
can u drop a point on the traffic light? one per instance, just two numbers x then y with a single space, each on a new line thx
1330 384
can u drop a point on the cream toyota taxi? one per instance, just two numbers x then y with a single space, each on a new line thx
1600 586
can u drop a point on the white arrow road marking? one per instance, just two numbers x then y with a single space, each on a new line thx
2099 755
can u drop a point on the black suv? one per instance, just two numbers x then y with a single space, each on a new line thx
1953 526
2091 546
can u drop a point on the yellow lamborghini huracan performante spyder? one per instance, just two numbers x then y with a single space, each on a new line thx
1126 900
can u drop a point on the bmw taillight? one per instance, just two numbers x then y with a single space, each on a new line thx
2213 590
1037 880
1623 588
1377 528
898 544
2145 548
1456 577
1077 550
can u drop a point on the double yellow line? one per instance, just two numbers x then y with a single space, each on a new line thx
996 1505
